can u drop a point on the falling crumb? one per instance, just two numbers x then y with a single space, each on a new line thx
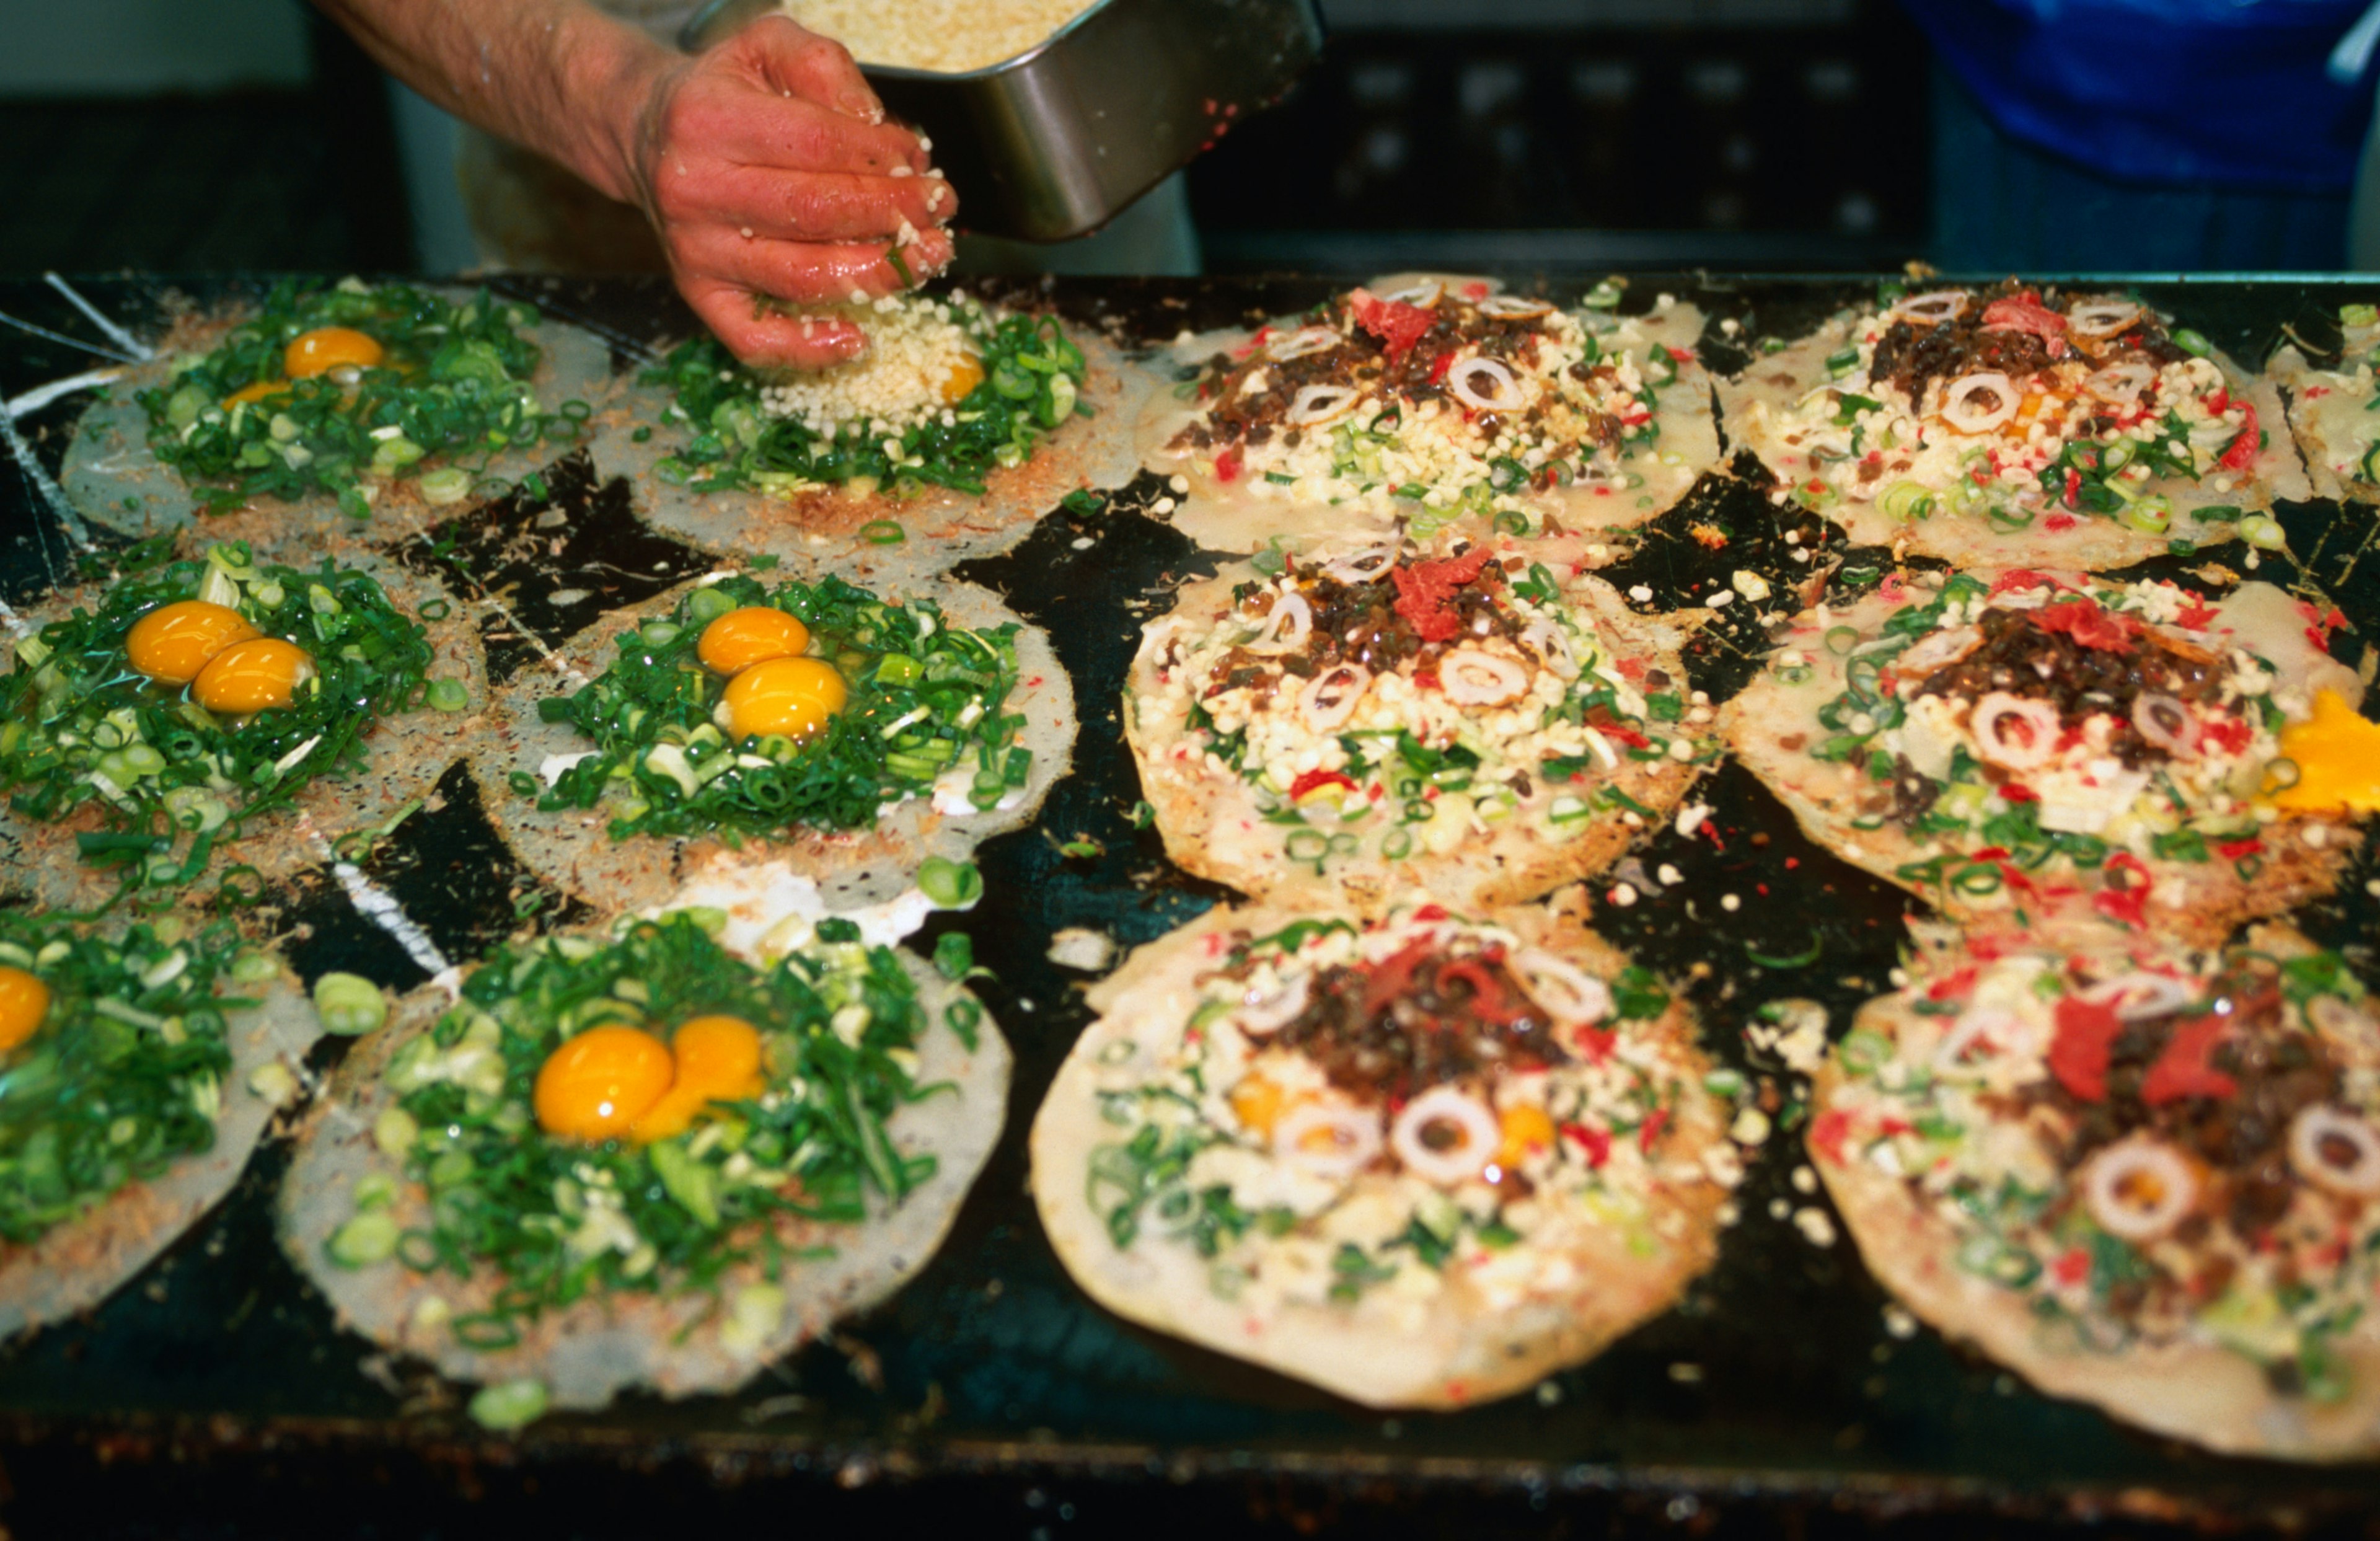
2317 836
1083 543
1549 1393
1778 1209
1686 1375
1179 482
1751 1127
1899 1323
1729 903
1623 894
1750 584
1079 947
1690 816
1816 1227
1642 593
1720 601
1804 1180
1162 505
1670 877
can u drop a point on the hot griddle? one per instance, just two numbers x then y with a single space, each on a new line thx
214 1395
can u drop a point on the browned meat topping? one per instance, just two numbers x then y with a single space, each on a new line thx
1912 355
1419 1018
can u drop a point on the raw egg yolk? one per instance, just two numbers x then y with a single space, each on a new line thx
790 696
252 676
753 635
718 1061
329 347
597 1084
257 392
24 1000
960 384
173 643
2337 755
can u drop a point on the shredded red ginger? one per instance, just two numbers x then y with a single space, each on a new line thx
2025 312
2090 624
2086 1042
2182 1071
1424 589
1398 325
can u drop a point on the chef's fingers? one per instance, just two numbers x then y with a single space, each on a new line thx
760 336
808 272
819 206
708 122
791 60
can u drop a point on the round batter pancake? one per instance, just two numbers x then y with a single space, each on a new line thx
403 752
2015 425
2331 410
575 847
2141 1177
2087 755
1420 1161
88 1211
759 1278
115 481
873 533
1431 401
1487 726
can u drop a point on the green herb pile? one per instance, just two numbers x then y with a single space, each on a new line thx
451 389
559 1219
126 1074
925 700
79 727
1033 379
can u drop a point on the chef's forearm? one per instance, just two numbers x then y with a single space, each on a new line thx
557 76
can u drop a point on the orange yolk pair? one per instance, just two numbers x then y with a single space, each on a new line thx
772 687
212 649
24 1002
612 1081
311 353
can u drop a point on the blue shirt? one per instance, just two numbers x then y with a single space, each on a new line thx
2202 92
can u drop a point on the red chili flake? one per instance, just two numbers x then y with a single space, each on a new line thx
1632 668
2059 522
2124 904
1891 1126
2229 734
1629 736
2314 393
1313 779
2182 1071
2197 614
2073 487
2020 577
1487 995
2025 312
1595 1142
1957 984
2232 850
1893 589
2072 1268
1398 325
1681 356
1826 1134
2243 449
2221 400
1475 291
2017 791
2084 1043
1991 853
1792 862
2088 624
1227 465
1423 589
1439 367
1650 1130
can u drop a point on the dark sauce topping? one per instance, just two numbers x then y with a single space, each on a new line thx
1912 355
2020 656
1359 623
1360 360
1419 1018
2229 1105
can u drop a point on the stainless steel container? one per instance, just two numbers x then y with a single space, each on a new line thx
1053 142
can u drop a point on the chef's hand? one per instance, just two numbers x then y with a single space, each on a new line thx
767 168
